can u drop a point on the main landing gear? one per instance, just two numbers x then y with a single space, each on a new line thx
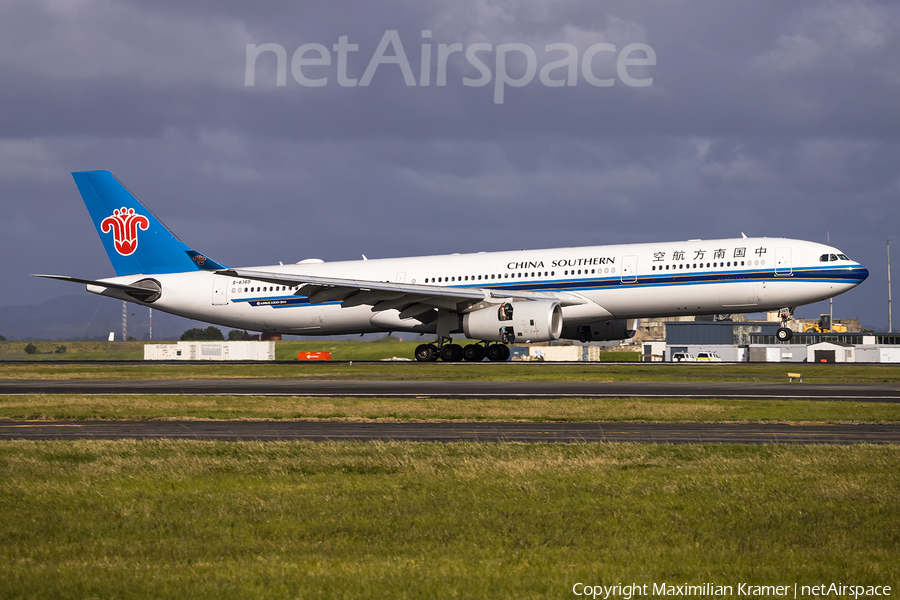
784 334
447 351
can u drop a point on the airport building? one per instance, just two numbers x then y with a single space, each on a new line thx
756 342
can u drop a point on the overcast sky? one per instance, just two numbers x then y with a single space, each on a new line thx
689 119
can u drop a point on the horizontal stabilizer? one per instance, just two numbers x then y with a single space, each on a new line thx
145 290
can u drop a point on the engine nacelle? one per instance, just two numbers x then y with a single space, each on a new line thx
602 331
526 321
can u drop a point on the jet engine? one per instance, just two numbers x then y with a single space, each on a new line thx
525 321
602 331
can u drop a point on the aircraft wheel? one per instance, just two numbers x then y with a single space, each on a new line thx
497 352
473 353
784 334
506 352
451 353
426 353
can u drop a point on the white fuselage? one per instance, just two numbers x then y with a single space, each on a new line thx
616 282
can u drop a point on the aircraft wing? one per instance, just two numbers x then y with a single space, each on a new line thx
410 299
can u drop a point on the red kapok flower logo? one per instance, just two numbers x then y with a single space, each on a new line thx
124 224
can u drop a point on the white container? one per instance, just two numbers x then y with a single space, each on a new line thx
211 351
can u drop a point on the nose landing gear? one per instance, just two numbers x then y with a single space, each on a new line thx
784 334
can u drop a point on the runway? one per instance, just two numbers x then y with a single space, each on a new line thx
869 392
661 433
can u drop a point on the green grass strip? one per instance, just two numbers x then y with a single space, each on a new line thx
65 406
745 372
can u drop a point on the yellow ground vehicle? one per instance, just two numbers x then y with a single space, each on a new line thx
825 326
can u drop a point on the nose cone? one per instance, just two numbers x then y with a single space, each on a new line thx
859 274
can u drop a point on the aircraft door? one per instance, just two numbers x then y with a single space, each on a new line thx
629 269
219 295
783 261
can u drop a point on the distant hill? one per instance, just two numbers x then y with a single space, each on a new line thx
87 317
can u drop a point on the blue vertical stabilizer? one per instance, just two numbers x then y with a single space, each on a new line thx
135 240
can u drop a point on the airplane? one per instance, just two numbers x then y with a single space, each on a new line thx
591 293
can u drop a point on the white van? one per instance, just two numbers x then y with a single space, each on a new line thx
708 356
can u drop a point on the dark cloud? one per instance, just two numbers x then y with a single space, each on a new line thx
767 118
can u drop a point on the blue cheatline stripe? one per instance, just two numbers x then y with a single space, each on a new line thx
810 274
814 274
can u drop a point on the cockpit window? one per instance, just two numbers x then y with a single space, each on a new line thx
843 257
823 258
833 257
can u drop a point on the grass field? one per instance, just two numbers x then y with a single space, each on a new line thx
77 407
176 519
393 520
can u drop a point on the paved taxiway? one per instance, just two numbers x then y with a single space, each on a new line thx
671 433
870 392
